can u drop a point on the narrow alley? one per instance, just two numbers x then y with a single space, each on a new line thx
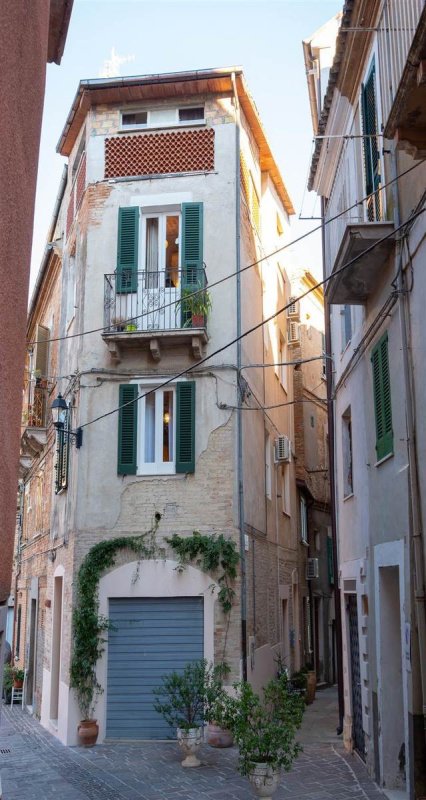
151 770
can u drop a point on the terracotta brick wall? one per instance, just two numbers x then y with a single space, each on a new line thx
160 153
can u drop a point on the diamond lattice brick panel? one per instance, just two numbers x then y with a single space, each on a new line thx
159 153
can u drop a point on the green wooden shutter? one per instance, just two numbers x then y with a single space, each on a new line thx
382 398
371 151
127 249
42 351
127 429
185 426
192 254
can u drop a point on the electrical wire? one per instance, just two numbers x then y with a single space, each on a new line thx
226 407
248 266
259 324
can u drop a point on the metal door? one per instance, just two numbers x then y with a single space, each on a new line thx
357 729
149 637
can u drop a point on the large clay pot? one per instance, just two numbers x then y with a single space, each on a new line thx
88 731
311 685
18 683
264 779
219 737
190 742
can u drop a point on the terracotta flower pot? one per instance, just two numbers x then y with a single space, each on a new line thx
18 683
88 731
311 685
198 320
264 779
219 737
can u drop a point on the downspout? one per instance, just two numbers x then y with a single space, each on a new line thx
416 552
240 476
331 459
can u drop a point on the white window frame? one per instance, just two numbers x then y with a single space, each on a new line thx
282 369
161 215
268 470
303 520
152 125
157 467
285 490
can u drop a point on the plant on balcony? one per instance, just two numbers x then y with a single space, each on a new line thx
195 306
119 323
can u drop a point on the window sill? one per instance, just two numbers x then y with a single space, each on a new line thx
385 458
173 125
348 496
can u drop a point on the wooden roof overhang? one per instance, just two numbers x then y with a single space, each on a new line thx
141 88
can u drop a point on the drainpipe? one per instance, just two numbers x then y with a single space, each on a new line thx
331 459
240 476
416 552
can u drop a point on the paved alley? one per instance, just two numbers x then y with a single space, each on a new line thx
34 766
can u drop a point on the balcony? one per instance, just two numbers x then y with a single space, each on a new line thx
354 285
34 426
155 310
402 34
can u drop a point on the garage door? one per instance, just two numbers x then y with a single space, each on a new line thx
149 638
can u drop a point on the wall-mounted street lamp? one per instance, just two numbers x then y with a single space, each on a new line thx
60 411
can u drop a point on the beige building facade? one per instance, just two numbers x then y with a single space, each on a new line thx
171 188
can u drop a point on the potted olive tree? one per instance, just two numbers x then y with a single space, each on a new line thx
180 700
220 708
265 731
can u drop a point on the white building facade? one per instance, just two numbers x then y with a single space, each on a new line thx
367 166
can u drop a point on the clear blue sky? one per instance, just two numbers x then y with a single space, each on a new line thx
263 36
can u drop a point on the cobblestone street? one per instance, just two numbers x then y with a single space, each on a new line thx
34 766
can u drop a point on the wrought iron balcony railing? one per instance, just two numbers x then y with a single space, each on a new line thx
34 414
160 301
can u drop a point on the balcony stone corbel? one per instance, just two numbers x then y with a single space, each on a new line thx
114 351
197 348
154 349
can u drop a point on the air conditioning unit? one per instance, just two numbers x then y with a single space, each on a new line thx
282 450
293 310
293 333
312 569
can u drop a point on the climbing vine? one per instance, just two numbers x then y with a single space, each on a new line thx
88 625
211 553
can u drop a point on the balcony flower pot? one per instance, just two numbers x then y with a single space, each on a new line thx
190 740
131 327
88 731
197 320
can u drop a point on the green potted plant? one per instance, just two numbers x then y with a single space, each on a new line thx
220 707
131 326
18 676
195 307
7 682
265 731
298 682
180 700
119 323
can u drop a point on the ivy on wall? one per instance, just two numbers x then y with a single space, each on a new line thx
209 552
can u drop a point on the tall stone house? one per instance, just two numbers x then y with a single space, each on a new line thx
170 188
25 51
306 331
369 116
